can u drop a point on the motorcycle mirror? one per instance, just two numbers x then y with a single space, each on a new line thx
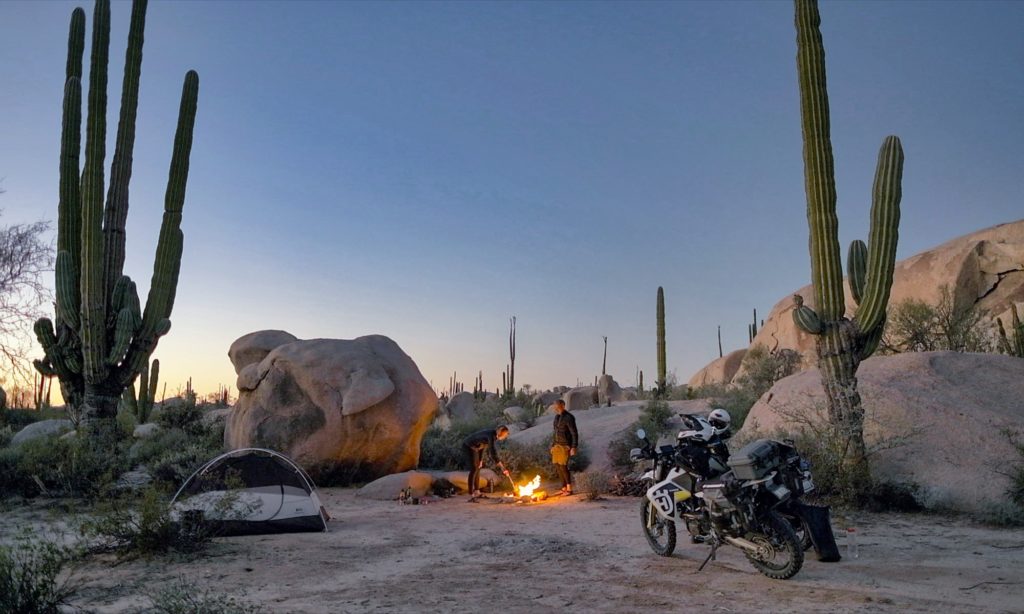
641 434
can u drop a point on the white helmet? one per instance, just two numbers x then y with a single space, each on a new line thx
720 419
699 429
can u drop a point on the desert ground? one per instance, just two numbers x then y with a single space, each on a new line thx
563 554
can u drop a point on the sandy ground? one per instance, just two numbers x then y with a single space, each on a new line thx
564 554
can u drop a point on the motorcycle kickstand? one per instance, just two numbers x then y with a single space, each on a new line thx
711 556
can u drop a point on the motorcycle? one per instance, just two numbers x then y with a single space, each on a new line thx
739 502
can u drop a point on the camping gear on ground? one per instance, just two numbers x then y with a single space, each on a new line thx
250 491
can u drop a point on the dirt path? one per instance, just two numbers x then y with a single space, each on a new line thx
568 554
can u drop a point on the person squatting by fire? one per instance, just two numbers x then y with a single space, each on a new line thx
473 448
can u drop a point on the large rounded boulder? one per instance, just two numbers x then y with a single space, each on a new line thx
343 409
935 420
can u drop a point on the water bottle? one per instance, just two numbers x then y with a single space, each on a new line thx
852 551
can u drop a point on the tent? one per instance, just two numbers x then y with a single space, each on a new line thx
250 491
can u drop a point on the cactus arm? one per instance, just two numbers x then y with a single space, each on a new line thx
116 212
93 308
885 221
857 268
169 246
819 173
69 207
69 204
805 318
871 339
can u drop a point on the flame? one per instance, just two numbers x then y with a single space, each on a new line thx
527 489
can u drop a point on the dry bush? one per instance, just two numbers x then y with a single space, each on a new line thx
592 484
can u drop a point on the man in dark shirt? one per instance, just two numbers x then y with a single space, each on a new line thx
564 444
473 448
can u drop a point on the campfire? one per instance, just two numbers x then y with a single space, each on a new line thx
529 492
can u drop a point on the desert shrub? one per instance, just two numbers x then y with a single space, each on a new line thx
141 527
916 326
761 369
592 484
183 597
654 419
18 419
72 467
34 576
176 465
441 449
145 451
6 434
524 460
185 416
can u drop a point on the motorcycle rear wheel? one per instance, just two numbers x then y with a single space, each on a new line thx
660 533
783 555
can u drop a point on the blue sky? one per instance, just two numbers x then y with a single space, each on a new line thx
427 170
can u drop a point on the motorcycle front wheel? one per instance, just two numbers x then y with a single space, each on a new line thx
780 555
660 533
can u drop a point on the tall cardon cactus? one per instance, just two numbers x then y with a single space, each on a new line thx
842 343
101 338
662 376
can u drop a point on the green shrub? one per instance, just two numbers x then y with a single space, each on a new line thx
6 434
525 460
592 484
441 449
72 467
186 416
18 419
654 419
185 598
176 465
141 527
34 576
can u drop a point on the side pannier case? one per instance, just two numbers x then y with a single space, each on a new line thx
756 459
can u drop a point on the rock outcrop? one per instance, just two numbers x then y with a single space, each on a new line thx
343 409
984 269
584 397
719 371
608 390
461 407
948 412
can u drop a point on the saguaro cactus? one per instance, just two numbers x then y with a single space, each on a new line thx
842 343
662 376
100 338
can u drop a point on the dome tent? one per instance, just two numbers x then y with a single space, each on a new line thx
251 491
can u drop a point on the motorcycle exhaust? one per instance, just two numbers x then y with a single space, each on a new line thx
745 544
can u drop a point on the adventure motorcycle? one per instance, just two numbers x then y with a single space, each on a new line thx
740 505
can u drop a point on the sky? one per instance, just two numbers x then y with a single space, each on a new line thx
427 170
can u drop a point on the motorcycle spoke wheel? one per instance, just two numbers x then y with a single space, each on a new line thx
780 555
660 533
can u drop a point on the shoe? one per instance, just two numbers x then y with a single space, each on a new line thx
476 493
567 490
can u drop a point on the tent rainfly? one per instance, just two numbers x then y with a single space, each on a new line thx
251 491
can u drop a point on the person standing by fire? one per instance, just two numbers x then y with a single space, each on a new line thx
564 444
473 448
